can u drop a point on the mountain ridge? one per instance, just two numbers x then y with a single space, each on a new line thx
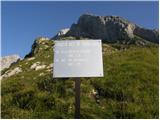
109 28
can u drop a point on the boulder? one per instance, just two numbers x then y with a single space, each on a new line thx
33 66
40 67
37 66
32 58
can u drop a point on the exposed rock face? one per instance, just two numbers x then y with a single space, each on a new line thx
32 58
110 29
11 72
61 33
40 67
8 60
150 35
37 66
36 46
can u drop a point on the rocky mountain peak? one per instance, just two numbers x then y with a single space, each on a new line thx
104 19
110 29
6 61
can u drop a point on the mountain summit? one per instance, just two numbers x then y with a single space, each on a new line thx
110 29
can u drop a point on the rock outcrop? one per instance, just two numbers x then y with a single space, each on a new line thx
110 29
11 72
36 47
37 66
147 34
8 60
61 33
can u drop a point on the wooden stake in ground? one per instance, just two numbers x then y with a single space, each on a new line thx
77 97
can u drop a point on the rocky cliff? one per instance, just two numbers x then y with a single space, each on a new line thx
8 60
110 29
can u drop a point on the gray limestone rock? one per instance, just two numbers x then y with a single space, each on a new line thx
8 60
110 29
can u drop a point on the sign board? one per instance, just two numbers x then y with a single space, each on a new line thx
78 58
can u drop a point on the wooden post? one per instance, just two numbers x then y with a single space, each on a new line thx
77 98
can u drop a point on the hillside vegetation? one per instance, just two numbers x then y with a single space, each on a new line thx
129 88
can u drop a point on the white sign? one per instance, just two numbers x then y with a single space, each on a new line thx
78 58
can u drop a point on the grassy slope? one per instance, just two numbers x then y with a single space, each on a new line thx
129 88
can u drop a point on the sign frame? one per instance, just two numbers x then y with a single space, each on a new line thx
94 64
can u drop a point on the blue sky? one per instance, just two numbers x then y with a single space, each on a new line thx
23 22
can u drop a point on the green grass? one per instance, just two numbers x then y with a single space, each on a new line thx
129 88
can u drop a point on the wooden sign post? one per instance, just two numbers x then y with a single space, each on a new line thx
77 98
77 58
